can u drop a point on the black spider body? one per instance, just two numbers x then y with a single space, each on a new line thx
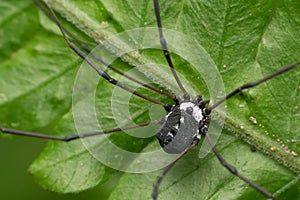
183 125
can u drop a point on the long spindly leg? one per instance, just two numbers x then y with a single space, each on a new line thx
74 136
164 45
95 58
167 169
101 72
235 172
253 84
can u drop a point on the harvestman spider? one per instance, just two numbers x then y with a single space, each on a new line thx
186 120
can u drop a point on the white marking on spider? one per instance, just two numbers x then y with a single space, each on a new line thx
197 113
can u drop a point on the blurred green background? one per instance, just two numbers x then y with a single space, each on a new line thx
16 183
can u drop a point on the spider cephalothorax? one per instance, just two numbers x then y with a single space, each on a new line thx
184 124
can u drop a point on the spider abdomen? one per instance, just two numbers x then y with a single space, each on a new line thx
181 127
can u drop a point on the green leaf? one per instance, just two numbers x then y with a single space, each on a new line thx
246 40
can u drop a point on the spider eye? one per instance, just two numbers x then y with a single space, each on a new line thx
190 110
